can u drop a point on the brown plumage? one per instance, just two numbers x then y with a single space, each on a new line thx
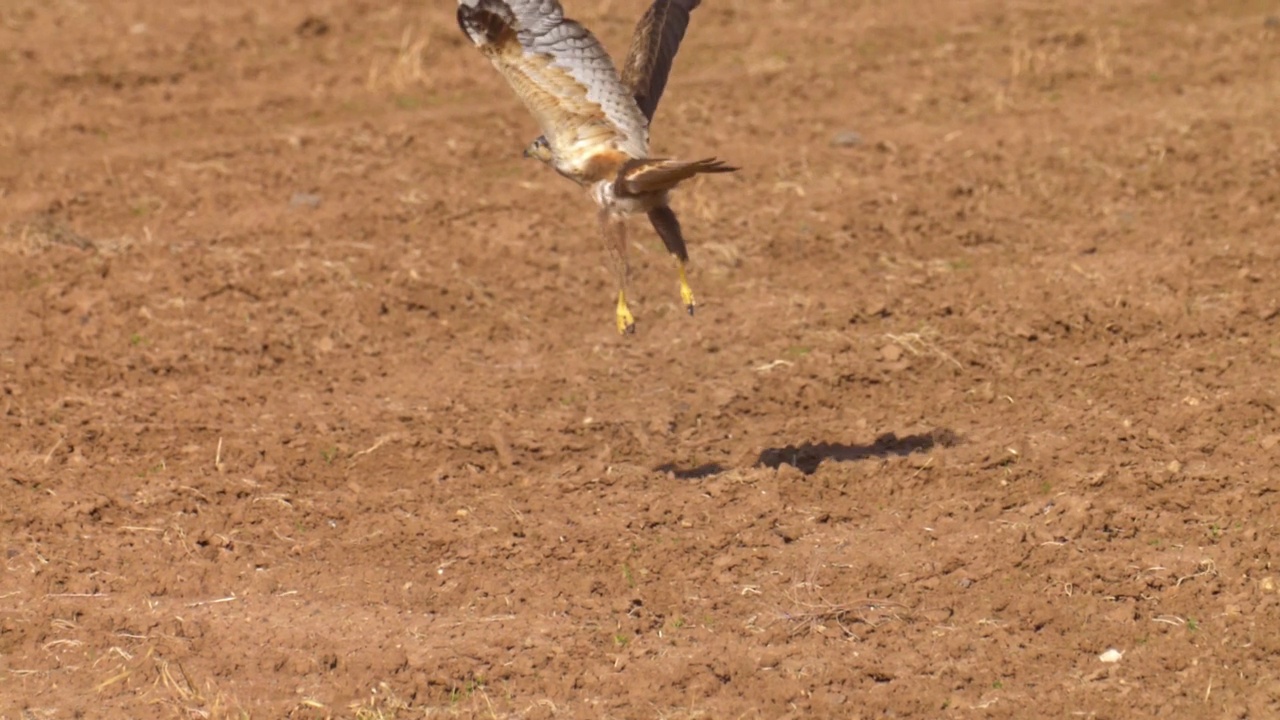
595 120
653 49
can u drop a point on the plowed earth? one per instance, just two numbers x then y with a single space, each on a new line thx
312 404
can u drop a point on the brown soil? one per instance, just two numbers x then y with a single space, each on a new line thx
311 403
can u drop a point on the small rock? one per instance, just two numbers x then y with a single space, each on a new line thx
847 138
877 308
1267 584
788 534
1111 656
1174 467
308 199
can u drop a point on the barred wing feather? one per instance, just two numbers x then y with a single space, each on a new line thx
561 73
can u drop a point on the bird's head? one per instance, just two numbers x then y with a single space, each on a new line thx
539 149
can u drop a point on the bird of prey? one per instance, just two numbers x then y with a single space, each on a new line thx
595 120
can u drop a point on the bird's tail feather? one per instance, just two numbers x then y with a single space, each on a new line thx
655 174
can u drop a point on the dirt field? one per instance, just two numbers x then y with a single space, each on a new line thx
311 402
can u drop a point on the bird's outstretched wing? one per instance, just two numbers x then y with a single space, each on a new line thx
561 73
653 48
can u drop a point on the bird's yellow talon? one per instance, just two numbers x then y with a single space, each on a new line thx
626 321
686 292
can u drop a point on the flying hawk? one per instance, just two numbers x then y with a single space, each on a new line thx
595 122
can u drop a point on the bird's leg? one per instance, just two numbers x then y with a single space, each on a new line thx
668 226
614 230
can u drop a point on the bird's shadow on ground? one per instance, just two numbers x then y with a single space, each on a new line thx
808 456
704 470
